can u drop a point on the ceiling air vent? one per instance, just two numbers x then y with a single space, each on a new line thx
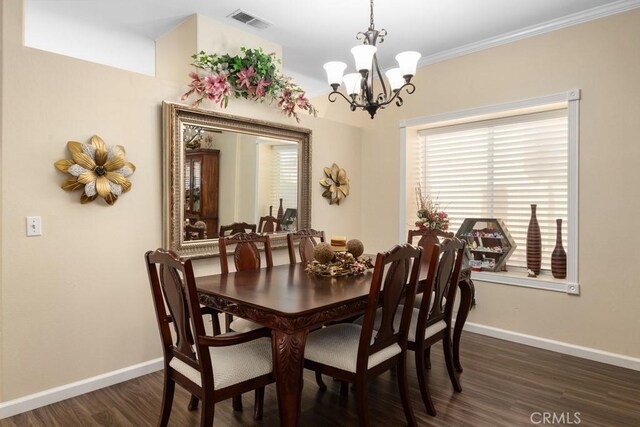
248 19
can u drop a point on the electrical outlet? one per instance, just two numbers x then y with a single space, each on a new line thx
34 226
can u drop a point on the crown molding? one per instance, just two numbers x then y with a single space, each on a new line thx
534 30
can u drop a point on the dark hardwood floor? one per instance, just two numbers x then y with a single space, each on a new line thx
503 385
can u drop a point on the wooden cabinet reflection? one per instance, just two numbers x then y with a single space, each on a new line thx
202 172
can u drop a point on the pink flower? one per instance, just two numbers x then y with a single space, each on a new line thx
261 86
244 76
302 101
217 87
196 86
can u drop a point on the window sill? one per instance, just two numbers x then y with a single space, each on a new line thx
517 278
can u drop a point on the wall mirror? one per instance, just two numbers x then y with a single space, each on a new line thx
221 169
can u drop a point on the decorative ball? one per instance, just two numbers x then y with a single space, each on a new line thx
355 247
323 253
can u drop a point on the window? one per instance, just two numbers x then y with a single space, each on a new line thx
284 170
495 165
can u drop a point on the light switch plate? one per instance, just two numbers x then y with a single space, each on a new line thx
34 226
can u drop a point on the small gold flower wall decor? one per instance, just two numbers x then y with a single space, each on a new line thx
335 183
98 169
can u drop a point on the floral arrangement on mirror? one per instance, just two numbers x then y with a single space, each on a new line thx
252 75
328 262
430 216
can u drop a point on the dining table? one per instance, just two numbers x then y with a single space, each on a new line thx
291 302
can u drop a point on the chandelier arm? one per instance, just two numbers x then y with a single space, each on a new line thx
352 102
334 97
410 88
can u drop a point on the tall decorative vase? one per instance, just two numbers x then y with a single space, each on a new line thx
534 244
559 256
280 210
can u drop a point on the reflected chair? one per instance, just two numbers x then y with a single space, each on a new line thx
269 224
211 368
356 353
235 228
246 256
194 232
306 241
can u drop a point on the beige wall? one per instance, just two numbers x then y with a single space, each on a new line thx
603 59
1 173
75 301
198 33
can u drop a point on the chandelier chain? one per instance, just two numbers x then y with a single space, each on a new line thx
371 21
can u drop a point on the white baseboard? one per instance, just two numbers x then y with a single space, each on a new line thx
57 394
557 346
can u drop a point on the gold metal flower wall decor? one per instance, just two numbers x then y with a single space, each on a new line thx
335 183
98 169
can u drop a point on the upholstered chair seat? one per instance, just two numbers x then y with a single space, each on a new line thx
233 364
430 331
239 324
337 346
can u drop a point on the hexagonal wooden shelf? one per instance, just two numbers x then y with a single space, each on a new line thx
489 243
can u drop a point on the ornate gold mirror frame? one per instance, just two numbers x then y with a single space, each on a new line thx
175 117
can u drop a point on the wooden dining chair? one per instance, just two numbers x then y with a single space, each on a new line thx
246 256
356 353
269 224
235 228
306 242
211 368
431 321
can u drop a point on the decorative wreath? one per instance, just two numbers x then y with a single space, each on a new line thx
335 183
97 169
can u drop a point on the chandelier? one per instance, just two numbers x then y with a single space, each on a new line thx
360 86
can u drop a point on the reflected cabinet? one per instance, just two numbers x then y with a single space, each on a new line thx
201 189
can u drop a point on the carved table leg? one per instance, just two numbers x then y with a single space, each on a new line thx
466 299
288 355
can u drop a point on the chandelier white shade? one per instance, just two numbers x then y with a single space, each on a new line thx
408 61
363 55
352 83
360 86
335 70
395 78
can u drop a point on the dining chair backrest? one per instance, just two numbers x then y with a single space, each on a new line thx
443 283
394 281
306 240
246 255
269 224
235 228
176 303
427 238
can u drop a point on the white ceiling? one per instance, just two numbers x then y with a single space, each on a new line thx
314 32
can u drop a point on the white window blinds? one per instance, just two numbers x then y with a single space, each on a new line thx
497 169
284 176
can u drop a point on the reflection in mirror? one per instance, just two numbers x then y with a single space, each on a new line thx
232 177
232 170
